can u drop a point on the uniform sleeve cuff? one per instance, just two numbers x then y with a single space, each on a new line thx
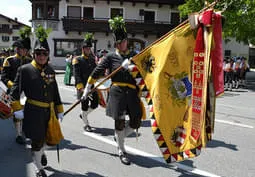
79 86
91 80
16 106
60 108
9 84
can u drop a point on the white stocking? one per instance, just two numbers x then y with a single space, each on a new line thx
36 156
120 135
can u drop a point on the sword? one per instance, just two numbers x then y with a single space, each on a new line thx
58 153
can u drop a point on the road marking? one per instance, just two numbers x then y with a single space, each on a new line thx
153 157
233 123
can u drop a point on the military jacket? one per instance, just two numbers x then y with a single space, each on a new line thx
82 68
39 85
112 61
10 67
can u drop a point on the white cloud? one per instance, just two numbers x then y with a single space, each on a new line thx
23 11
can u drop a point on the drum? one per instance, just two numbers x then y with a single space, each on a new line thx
5 102
103 91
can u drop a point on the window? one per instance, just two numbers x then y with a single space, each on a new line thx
5 38
175 18
149 16
116 12
39 12
227 53
5 26
88 12
51 12
15 26
74 11
67 46
15 38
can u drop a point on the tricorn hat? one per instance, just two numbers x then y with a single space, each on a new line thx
25 37
41 41
88 38
117 25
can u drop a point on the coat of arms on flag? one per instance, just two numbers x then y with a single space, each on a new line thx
173 74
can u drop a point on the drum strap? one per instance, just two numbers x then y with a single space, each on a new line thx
123 85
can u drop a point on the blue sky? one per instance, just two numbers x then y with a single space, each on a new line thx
22 9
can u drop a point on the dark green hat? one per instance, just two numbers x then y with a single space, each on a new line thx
88 39
25 37
41 41
117 25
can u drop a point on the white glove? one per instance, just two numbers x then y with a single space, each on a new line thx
19 114
125 63
60 116
86 91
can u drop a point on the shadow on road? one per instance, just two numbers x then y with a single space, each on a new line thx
103 131
217 143
145 162
146 123
65 173
188 163
14 157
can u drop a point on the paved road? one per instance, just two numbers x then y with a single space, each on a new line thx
230 153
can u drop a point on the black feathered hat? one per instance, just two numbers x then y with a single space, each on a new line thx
41 41
117 25
18 44
88 39
25 37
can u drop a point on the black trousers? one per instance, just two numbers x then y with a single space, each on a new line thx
92 101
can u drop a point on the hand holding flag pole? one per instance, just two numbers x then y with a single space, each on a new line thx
94 89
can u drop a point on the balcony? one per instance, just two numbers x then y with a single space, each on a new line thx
6 30
101 25
147 2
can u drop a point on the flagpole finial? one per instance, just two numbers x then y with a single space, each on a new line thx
206 3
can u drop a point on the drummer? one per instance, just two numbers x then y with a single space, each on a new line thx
82 67
10 67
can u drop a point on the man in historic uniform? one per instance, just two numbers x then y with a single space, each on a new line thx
82 67
37 80
123 95
10 67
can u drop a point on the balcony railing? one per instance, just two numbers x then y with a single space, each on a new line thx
6 30
167 2
101 25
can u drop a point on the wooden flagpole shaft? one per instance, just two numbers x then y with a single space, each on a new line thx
94 89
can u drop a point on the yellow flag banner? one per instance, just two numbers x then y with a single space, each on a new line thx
165 72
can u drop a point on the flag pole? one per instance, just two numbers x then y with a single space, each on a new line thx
94 89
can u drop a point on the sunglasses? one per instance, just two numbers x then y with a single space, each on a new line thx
41 53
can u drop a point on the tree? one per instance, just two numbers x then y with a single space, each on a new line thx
239 17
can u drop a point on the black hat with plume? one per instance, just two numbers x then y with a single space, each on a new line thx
88 38
25 37
18 44
117 25
42 35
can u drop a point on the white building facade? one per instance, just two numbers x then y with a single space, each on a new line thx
146 21
71 19
9 31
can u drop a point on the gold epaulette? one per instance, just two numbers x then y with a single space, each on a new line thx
75 60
